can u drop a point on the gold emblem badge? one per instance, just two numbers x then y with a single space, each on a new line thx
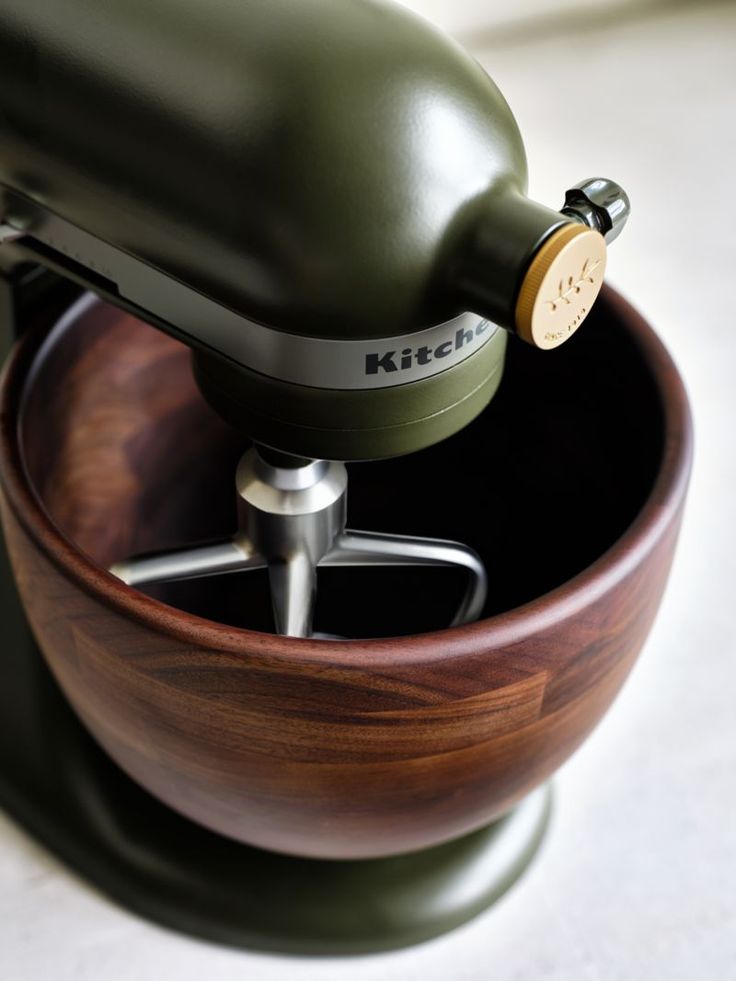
561 286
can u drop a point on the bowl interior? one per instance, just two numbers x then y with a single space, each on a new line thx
126 457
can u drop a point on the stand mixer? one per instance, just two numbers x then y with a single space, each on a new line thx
340 278
325 201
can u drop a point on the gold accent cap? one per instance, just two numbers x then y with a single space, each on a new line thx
560 286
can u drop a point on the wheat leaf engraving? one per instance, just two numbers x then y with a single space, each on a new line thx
574 286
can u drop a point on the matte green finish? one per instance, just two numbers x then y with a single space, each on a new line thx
336 168
353 425
323 166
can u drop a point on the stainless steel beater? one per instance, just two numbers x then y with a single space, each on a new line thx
291 520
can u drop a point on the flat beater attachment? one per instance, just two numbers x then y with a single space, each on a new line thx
292 520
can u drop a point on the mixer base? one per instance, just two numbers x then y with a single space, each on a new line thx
58 784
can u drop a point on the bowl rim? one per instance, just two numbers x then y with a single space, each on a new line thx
661 509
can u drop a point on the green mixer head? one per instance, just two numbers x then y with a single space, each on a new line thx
325 199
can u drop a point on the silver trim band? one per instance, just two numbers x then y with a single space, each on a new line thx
311 361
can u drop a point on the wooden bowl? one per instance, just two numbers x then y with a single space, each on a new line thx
571 486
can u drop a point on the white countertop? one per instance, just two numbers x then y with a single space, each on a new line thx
637 879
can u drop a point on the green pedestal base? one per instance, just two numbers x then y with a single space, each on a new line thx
58 784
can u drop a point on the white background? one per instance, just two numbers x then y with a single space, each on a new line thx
637 879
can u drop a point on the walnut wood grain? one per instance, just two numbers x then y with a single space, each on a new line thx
345 749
